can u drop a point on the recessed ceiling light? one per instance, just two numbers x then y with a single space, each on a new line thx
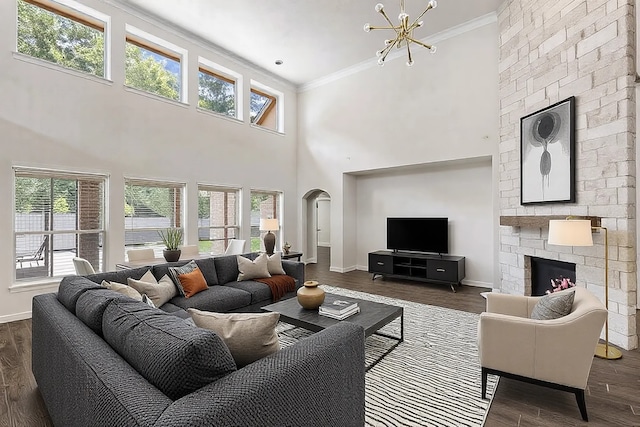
279 62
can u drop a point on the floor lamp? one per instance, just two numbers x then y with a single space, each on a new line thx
577 232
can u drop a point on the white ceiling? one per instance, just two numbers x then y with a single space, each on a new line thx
314 38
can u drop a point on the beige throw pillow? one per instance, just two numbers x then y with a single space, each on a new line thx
256 269
158 292
122 289
249 336
274 264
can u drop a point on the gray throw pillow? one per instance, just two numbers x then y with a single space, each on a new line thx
553 306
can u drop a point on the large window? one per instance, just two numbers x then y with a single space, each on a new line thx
151 206
58 216
70 36
218 215
154 66
264 205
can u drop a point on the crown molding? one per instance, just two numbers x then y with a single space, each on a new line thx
465 27
184 33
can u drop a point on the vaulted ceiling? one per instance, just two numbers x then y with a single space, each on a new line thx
313 38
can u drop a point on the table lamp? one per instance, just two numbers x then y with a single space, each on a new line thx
269 225
577 232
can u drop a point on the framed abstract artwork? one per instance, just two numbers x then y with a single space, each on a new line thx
547 155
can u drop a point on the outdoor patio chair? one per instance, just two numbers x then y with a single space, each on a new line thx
36 257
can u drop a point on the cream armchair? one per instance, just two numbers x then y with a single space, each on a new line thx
554 353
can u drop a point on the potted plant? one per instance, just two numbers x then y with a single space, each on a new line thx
172 239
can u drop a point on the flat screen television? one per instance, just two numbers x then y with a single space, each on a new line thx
418 234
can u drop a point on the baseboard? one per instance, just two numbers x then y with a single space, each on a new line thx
342 270
15 317
362 267
477 283
313 260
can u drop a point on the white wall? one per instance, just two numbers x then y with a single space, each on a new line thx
443 108
458 191
55 119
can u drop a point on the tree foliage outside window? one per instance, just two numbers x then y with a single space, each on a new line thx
152 72
61 40
216 94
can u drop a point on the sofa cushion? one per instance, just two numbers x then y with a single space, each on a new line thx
216 298
173 356
256 269
70 289
206 265
249 336
91 305
259 291
227 269
158 291
553 306
175 310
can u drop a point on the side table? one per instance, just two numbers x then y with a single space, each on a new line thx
292 255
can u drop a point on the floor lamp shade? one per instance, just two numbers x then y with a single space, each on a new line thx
269 225
570 232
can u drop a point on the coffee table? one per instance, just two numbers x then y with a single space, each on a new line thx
372 317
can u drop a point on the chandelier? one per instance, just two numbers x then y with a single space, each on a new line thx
404 32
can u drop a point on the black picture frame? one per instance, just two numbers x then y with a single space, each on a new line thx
547 155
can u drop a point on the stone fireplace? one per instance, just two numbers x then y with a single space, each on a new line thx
547 54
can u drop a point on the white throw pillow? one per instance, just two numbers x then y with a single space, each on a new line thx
256 269
249 336
122 289
274 264
158 292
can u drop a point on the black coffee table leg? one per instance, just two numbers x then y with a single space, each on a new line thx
399 340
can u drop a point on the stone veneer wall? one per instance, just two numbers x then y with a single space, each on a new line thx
551 50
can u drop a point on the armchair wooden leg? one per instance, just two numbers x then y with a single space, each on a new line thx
582 404
484 383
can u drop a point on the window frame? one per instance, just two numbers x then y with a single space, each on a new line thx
44 173
277 103
83 15
164 48
181 212
238 212
278 205
218 71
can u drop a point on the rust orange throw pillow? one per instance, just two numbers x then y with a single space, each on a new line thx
193 282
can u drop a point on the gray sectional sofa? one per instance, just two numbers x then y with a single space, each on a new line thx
103 359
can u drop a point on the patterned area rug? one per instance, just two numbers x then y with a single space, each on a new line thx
431 379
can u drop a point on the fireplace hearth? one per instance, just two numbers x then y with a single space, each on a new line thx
544 270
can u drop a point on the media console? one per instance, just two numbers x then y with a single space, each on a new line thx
416 266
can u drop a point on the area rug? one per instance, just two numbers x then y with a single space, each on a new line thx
431 379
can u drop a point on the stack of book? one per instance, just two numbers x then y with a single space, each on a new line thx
339 309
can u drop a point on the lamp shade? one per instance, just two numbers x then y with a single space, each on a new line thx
570 232
269 224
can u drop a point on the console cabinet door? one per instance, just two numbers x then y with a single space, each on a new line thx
446 271
380 264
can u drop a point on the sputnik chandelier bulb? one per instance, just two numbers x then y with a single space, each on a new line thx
404 32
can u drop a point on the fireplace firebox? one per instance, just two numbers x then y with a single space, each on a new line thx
543 271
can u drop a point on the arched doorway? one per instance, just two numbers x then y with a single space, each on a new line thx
316 224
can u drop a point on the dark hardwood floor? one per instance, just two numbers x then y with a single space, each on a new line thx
613 392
